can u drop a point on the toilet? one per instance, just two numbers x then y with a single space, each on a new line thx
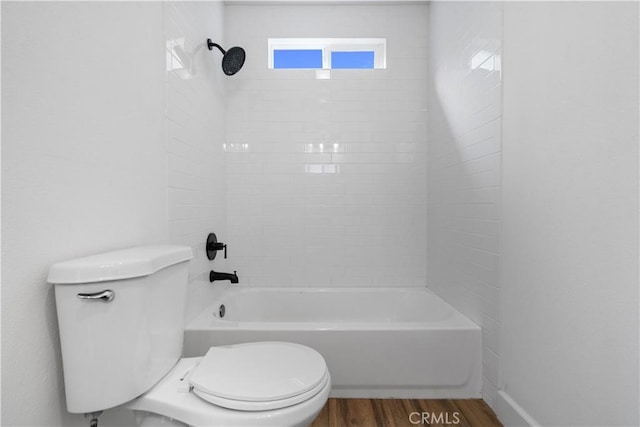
121 322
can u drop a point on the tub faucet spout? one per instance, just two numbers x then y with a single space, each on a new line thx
214 275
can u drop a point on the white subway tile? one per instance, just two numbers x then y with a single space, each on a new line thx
193 162
326 150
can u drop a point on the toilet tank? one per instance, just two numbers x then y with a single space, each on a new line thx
121 322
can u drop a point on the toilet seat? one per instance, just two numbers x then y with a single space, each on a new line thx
171 398
244 405
259 376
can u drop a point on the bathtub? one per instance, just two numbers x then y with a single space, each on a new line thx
378 342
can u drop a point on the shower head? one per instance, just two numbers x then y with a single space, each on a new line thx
232 59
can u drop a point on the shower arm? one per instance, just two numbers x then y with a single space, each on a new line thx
211 44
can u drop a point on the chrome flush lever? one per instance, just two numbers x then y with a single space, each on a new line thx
104 296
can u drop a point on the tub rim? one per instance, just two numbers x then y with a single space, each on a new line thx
206 320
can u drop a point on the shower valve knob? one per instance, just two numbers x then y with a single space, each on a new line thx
213 246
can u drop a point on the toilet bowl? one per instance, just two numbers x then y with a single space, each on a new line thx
253 384
121 321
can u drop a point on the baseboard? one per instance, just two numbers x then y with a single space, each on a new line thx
511 414
403 393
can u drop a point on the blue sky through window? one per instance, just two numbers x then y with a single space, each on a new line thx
297 58
363 59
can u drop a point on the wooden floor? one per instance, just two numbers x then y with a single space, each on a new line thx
406 412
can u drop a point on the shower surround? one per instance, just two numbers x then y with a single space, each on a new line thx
465 155
327 177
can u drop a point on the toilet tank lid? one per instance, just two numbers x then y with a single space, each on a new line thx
117 265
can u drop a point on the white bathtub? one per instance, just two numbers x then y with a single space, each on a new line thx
378 342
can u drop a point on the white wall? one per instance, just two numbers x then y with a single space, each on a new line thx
103 148
569 301
363 221
83 170
464 160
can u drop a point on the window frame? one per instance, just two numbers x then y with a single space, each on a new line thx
328 45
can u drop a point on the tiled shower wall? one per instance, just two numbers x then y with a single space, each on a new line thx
464 182
195 133
327 178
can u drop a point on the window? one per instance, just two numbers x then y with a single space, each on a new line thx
297 58
329 53
359 59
